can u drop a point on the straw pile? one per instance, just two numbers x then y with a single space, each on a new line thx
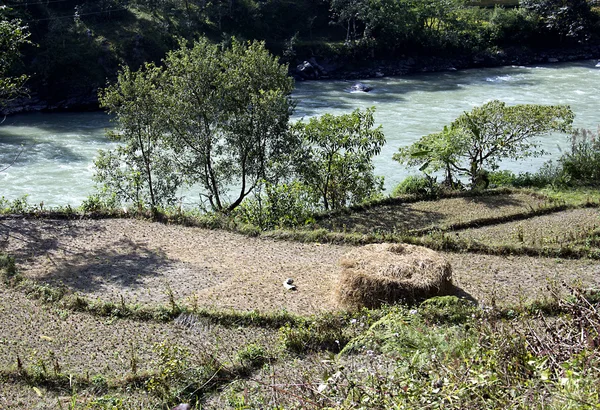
386 273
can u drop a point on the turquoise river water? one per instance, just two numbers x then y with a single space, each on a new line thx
56 150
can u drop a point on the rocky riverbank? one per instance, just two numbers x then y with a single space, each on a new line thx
326 69
329 68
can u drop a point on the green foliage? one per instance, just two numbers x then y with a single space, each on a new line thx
417 185
510 26
140 170
581 166
570 19
181 377
284 205
16 206
336 158
447 310
404 332
7 265
252 356
13 35
321 333
211 116
228 112
502 178
479 140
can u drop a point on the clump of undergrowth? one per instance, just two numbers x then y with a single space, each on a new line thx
7 266
419 185
446 353
181 377
447 309
326 332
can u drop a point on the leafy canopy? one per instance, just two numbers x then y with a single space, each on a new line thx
211 116
228 116
336 160
140 169
480 139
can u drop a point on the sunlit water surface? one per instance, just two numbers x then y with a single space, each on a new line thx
55 152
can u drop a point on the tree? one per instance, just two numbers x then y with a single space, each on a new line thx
212 116
488 134
140 169
567 18
13 35
228 113
336 159
434 152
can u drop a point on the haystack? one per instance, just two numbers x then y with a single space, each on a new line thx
386 273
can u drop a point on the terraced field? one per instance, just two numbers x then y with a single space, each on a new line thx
50 349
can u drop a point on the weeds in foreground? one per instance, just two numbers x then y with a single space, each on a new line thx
444 354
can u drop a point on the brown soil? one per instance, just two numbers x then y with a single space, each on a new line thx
143 262
140 261
428 214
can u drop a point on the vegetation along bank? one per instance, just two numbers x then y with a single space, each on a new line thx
77 45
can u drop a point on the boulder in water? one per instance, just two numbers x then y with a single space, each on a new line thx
360 87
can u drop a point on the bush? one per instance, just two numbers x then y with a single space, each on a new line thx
7 265
253 356
548 174
501 178
447 309
581 166
278 206
417 185
322 333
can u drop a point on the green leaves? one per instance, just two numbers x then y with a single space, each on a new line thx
336 159
488 134
210 116
13 35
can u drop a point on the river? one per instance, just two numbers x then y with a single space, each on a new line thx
56 150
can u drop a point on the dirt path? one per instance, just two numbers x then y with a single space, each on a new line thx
144 262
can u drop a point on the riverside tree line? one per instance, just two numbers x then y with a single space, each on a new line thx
218 117
80 43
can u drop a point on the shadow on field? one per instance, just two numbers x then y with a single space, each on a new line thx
463 294
498 201
387 218
69 258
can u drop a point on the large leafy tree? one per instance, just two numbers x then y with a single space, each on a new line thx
211 116
565 18
336 159
480 139
228 116
140 169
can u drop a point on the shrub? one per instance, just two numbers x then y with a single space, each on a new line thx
252 356
278 206
7 265
581 166
501 178
447 309
548 174
417 185
323 333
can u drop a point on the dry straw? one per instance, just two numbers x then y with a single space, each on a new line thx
386 273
